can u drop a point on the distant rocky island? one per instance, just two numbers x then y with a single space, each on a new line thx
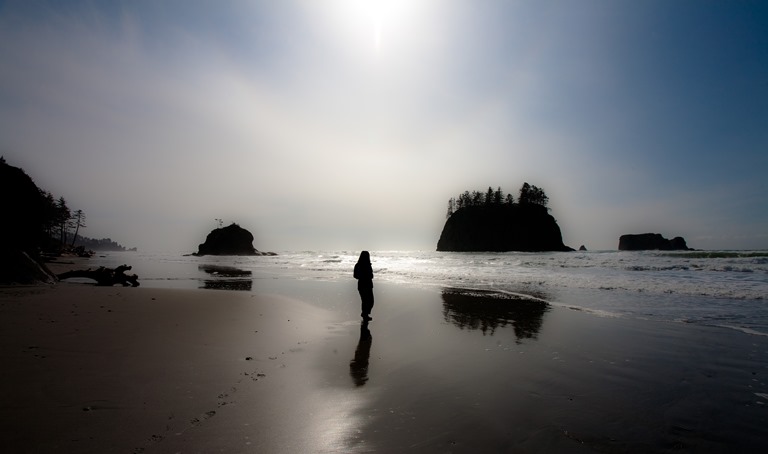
230 240
494 222
651 242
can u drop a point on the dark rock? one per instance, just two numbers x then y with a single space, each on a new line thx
582 248
678 243
230 240
18 267
22 230
501 228
23 205
651 242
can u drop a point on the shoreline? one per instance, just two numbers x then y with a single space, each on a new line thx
112 369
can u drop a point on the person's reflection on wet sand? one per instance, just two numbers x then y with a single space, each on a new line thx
358 367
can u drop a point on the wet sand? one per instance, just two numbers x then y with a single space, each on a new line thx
288 367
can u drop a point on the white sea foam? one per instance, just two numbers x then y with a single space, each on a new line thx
744 330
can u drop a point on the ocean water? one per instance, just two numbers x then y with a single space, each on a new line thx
717 288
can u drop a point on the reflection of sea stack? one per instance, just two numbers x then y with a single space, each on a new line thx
487 311
230 240
226 278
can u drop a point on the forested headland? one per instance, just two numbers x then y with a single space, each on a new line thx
39 222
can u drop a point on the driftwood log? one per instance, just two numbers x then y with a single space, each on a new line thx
105 276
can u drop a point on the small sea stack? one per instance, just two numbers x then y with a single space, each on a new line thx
230 240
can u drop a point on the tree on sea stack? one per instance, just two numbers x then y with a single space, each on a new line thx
532 194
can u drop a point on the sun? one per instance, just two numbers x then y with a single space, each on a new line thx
387 16
375 24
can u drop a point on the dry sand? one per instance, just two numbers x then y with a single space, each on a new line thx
289 368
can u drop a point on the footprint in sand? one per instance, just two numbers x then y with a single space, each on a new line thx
207 415
223 396
254 376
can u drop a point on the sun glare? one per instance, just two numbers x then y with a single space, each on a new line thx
375 24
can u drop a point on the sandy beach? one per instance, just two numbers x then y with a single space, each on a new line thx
288 367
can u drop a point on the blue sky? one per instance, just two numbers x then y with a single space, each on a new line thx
345 124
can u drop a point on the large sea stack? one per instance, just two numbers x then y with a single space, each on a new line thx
501 228
230 240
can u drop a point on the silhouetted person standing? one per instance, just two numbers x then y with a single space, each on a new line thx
364 275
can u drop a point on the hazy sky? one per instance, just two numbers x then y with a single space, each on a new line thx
349 124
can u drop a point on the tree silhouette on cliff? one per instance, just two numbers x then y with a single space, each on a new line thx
40 221
532 194
529 195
